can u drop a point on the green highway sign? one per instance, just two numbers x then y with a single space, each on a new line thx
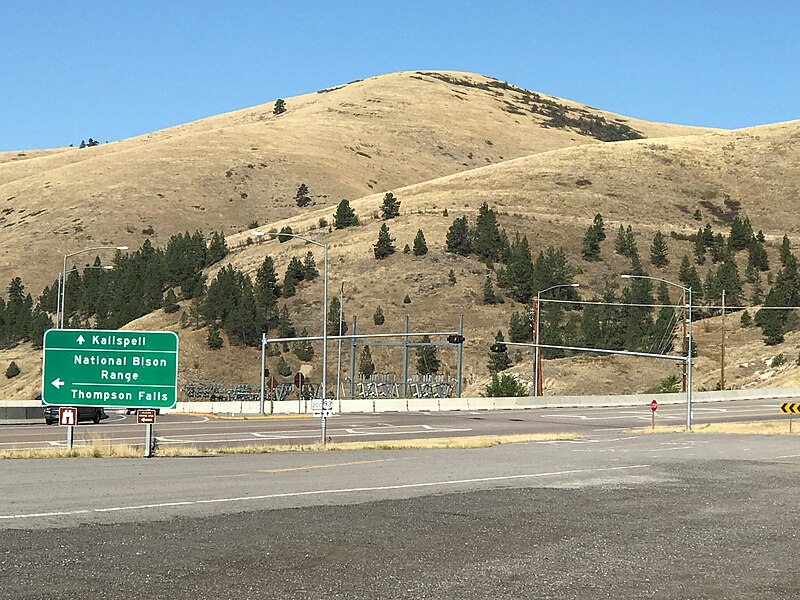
114 369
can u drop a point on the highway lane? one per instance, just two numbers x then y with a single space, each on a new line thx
176 429
612 515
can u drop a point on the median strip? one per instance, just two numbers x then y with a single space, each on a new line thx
107 450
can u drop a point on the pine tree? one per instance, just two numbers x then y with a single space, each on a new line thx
520 327
458 237
719 249
304 350
170 302
599 227
284 370
620 242
757 255
12 370
451 277
786 250
498 361
217 249
427 361
406 249
518 276
285 326
406 299
365 364
301 196
590 249
214 339
746 320
285 238
489 295
420 247
280 107
384 246
390 207
243 324
658 251
664 327
310 271
486 241
378 317
688 276
728 279
699 248
335 325
740 234
344 216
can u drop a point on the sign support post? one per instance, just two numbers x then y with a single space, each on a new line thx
148 440
71 436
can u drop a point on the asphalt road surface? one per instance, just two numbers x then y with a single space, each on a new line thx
612 515
175 429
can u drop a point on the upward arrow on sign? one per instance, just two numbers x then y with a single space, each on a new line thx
81 340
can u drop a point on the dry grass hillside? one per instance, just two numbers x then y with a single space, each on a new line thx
548 185
227 171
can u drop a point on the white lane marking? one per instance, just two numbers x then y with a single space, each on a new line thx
379 488
788 456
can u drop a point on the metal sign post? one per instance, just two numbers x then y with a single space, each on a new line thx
792 408
653 409
147 417
68 417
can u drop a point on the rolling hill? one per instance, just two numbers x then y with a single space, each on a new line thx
441 142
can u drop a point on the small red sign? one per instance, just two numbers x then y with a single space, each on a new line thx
67 415
145 416
653 406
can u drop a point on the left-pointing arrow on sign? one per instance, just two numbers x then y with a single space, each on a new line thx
57 383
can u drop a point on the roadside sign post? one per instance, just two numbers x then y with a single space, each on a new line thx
147 417
68 417
653 409
110 369
790 408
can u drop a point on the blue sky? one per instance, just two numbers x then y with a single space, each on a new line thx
113 69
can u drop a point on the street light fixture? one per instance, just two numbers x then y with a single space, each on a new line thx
536 352
60 307
324 247
687 293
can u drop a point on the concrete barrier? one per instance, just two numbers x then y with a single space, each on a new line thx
453 404
515 403
423 405
480 403
357 406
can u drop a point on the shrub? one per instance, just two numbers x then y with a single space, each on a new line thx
505 386
12 370
378 317
406 300
778 360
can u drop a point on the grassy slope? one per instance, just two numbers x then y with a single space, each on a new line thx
226 171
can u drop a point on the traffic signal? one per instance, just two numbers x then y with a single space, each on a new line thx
455 339
498 347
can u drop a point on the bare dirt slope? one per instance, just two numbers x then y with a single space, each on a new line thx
227 171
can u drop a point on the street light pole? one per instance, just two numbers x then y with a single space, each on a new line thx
324 246
536 356
688 293
63 286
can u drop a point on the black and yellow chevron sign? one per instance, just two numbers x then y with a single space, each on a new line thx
791 407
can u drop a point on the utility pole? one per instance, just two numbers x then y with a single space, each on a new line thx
683 341
722 353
